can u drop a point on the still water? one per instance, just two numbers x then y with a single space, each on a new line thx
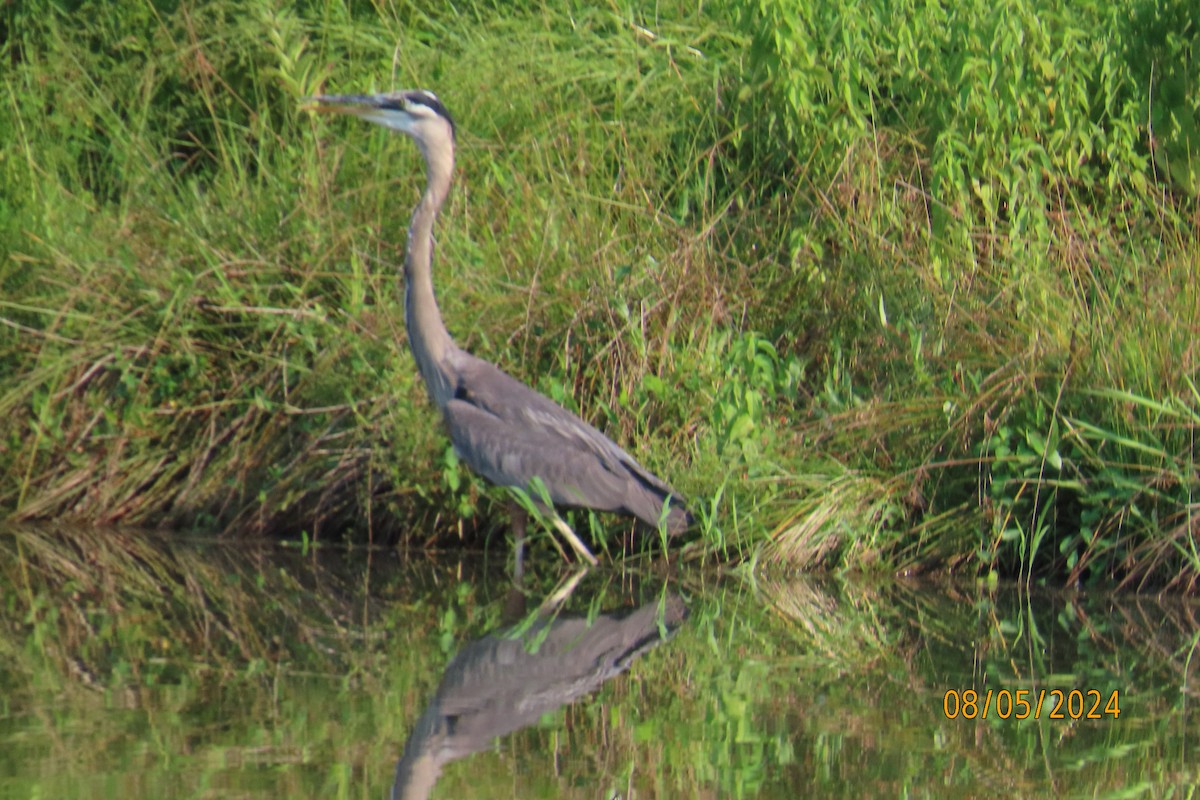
135 666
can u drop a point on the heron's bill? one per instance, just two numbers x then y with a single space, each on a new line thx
338 104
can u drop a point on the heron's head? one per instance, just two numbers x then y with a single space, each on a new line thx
416 112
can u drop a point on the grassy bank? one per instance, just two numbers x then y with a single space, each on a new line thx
873 285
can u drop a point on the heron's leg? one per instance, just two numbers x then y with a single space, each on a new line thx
515 601
572 539
519 519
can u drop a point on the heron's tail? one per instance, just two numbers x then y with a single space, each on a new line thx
679 519
650 511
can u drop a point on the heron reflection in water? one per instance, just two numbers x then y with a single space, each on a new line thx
502 429
496 685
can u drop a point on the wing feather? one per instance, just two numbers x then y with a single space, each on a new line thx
510 434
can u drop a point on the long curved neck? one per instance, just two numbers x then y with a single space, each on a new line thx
427 335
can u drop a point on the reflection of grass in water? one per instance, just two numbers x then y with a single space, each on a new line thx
205 664
189 657
135 604
863 668
260 670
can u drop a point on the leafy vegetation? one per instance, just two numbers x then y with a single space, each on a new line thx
879 285
973 204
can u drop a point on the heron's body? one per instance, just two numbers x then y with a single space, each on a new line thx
500 428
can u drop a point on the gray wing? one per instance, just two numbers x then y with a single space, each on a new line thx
510 434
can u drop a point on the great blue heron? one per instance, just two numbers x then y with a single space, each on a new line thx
502 429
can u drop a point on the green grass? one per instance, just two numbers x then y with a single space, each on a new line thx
877 285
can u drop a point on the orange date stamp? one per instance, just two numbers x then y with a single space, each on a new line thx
1032 704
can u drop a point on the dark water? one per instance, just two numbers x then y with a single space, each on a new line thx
141 666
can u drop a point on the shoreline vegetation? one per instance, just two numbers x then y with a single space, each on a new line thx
878 286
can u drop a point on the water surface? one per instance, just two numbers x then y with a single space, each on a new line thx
134 665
